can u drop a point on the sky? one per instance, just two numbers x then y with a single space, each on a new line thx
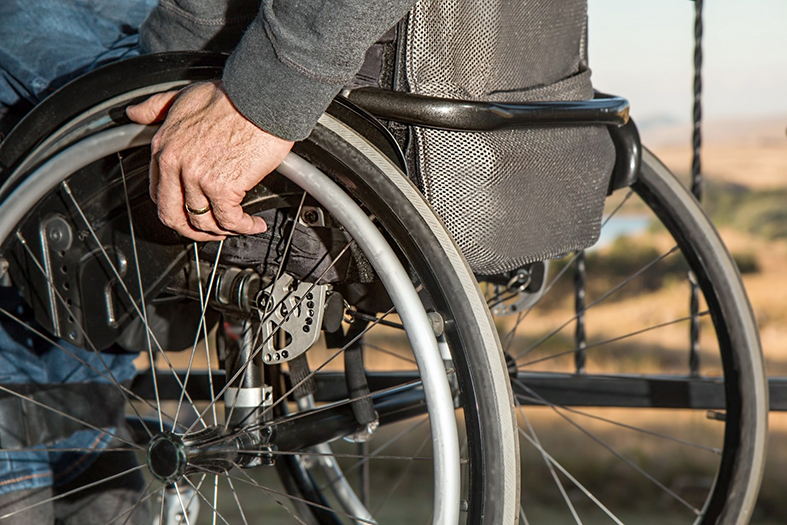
643 50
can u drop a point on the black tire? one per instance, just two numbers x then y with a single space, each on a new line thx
93 105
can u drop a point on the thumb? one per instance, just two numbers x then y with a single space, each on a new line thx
152 110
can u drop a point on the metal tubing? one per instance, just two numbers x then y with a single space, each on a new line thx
472 115
445 439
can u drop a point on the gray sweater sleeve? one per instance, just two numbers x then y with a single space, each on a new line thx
293 59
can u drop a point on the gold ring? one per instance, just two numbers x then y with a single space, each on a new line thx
200 211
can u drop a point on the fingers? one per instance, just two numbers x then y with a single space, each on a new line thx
195 199
226 215
153 174
152 110
170 199
205 154
230 217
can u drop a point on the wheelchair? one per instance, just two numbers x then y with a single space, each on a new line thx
348 366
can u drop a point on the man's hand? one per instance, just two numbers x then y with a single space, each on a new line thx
206 154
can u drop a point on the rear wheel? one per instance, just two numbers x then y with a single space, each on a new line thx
631 403
433 434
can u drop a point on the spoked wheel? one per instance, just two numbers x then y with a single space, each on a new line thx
631 405
347 349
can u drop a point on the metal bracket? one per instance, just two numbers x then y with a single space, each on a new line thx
295 310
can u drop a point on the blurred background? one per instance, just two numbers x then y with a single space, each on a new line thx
643 50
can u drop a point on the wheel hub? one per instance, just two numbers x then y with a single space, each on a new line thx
170 456
167 458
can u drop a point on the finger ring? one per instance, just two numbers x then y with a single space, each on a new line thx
199 211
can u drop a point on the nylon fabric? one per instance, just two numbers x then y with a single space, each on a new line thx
508 197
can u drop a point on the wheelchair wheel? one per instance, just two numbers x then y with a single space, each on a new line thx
402 410
614 408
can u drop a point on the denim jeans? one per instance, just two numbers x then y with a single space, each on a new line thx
28 358
46 43
43 45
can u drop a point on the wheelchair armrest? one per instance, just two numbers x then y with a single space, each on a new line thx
628 155
473 115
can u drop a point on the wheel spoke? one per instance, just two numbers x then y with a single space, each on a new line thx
203 300
311 374
551 468
570 477
67 416
141 499
109 378
382 350
122 283
401 477
42 448
141 293
543 402
74 491
326 408
234 495
273 492
93 348
260 347
194 495
375 452
180 499
597 301
611 340
622 458
314 454
201 328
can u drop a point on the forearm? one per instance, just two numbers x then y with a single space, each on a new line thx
293 59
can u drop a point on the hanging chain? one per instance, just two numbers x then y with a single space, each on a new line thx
696 163
696 184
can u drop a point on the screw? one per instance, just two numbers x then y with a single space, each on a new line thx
309 320
310 216
310 304
310 296
306 329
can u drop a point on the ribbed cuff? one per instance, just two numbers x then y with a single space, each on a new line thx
254 78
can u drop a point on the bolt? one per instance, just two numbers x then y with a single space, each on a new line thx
306 329
285 354
310 296
310 304
262 301
310 216
309 320
311 313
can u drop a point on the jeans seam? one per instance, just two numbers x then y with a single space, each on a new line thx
24 478
81 459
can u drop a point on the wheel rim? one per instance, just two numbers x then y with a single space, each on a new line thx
123 138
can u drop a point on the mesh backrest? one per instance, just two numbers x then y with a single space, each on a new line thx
508 197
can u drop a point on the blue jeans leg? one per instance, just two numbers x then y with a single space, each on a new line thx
46 43
29 359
